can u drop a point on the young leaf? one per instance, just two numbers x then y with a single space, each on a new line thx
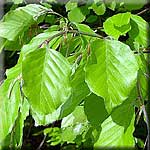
70 5
38 40
117 25
46 76
18 21
114 74
139 32
84 28
75 15
91 18
100 9
15 138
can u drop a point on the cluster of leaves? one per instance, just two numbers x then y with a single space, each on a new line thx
72 71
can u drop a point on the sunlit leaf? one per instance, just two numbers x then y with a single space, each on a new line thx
75 15
117 25
46 79
99 9
70 5
139 30
17 21
117 130
114 73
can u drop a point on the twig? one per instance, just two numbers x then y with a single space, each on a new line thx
41 144
13 84
54 13
145 52
143 11
70 31
146 116
147 124
83 33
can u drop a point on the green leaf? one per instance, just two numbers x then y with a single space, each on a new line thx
91 19
127 109
99 9
18 130
70 5
143 84
113 135
111 4
41 119
16 22
95 109
139 32
114 73
117 25
9 101
85 10
54 136
75 15
38 40
46 79
79 91
84 28
117 130
73 125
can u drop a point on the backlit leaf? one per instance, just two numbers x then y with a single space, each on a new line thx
139 30
17 21
46 79
99 9
114 73
75 15
117 130
117 25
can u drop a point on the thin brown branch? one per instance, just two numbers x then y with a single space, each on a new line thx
145 114
61 33
143 11
70 31
148 130
145 52
54 13
42 142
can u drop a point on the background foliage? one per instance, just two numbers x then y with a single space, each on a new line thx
75 74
